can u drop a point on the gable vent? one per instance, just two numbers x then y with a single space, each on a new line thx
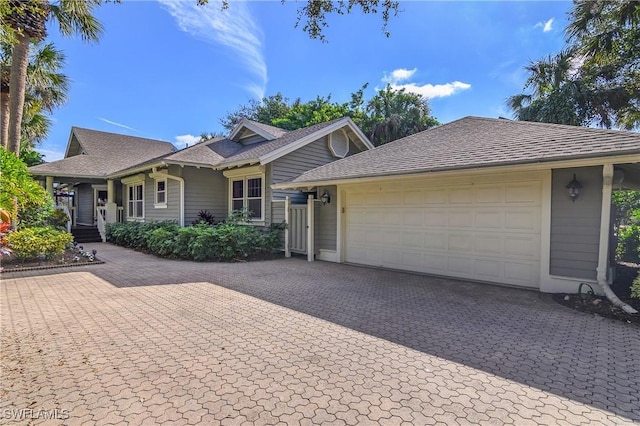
339 143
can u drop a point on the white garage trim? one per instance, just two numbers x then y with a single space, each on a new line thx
483 227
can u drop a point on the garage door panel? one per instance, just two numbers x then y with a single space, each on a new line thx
435 217
460 218
460 196
489 194
460 242
486 231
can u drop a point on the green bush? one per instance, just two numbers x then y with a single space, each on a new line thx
226 241
635 287
32 242
628 249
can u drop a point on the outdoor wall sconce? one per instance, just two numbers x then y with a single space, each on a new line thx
574 188
325 197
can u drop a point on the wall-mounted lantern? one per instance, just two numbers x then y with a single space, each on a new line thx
325 197
574 188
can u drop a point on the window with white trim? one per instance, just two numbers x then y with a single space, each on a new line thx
248 192
135 200
160 200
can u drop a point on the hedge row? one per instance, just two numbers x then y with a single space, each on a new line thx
221 242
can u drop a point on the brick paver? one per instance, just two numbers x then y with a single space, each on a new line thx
141 340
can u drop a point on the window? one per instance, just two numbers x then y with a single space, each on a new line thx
135 200
248 192
161 194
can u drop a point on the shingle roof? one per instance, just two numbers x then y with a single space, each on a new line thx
104 154
221 151
275 131
478 142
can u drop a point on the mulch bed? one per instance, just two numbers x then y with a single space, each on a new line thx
600 305
63 260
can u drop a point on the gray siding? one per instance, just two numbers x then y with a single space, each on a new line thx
295 163
326 220
204 189
172 211
575 226
84 204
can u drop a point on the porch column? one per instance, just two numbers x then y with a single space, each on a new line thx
310 231
287 231
49 185
111 206
605 226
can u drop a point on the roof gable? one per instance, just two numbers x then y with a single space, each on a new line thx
102 154
248 132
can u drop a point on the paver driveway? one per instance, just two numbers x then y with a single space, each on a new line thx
142 340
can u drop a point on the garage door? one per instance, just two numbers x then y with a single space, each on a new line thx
481 231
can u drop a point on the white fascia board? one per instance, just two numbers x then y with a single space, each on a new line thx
365 140
133 170
586 162
245 123
66 151
242 163
189 164
293 146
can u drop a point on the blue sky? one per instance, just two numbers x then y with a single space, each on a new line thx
170 70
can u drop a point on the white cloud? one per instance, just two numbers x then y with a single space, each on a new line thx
427 90
401 74
183 141
117 124
233 28
546 26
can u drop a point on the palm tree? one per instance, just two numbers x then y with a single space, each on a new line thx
46 88
557 92
27 18
394 114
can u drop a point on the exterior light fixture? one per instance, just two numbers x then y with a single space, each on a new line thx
574 188
325 197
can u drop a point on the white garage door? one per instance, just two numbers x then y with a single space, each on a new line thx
482 231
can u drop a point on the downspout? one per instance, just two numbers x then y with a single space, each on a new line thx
603 255
154 172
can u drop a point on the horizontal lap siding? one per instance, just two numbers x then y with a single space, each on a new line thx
172 211
204 189
575 226
326 220
293 165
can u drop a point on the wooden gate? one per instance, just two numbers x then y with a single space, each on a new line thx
298 228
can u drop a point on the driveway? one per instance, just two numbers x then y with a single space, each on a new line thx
141 340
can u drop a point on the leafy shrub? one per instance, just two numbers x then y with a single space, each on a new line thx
628 249
204 216
635 287
58 219
226 241
32 242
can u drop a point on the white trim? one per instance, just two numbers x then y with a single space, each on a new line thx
340 224
310 229
332 147
165 174
287 249
547 284
244 123
621 159
156 181
293 146
236 176
605 223
253 170
328 255
97 188
132 179
134 184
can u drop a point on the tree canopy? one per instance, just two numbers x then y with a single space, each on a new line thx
389 115
596 79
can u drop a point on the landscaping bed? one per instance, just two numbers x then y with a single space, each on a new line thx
69 258
600 305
